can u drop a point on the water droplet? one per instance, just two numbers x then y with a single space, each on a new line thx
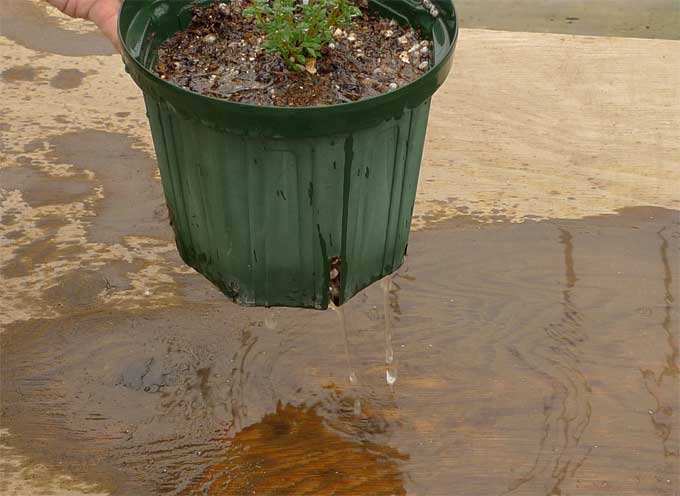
357 407
353 378
391 375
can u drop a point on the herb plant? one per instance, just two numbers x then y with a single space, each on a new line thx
300 29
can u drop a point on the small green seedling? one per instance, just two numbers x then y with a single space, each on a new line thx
300 29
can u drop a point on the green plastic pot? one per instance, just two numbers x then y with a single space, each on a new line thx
266 201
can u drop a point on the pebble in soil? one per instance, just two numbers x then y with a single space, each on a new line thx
221 55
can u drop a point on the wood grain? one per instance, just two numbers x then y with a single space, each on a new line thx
536 358
553 126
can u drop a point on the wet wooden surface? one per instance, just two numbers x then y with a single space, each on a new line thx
532 358
535 330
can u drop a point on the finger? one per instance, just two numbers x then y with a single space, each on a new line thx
60 4
110 29
104 13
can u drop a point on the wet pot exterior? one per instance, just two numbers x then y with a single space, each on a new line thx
263 199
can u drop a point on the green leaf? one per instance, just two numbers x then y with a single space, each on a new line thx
296 30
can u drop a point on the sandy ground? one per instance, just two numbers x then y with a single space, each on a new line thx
530 126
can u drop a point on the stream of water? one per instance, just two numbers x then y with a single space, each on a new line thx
351 373
390 364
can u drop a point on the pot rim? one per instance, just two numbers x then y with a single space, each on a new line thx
423 81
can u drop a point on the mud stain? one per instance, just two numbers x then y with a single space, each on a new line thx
133 202
67 79
29 25
534 358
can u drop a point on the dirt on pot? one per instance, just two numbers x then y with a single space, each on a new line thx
221 55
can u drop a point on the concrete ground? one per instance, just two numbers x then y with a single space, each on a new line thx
559 110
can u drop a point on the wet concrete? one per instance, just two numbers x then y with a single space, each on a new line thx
539 358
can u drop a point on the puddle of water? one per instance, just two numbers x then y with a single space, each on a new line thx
536 358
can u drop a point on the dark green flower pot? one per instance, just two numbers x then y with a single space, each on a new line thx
263 200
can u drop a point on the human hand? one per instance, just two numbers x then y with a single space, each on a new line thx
104 13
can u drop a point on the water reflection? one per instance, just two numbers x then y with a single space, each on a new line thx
293 451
